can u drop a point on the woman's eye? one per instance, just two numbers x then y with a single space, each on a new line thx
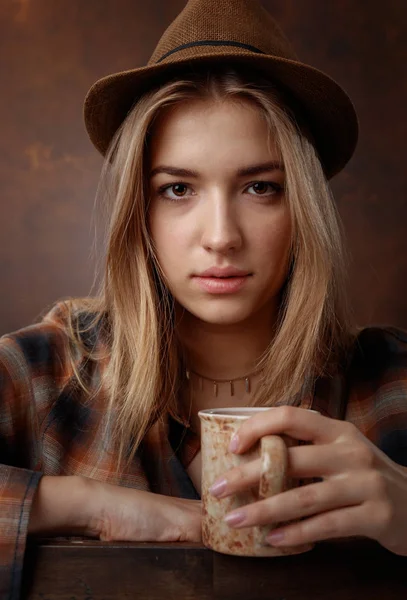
179 190
265 188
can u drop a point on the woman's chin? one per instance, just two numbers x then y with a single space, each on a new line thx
222 316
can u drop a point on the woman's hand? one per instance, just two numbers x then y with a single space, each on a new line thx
362 492
125 514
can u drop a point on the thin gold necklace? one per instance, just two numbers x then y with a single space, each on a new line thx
216 382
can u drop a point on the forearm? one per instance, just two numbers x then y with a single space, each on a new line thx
61 506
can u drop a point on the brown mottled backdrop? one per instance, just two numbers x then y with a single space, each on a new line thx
51 51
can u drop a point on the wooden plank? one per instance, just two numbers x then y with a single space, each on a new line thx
92 570
108 571
343 570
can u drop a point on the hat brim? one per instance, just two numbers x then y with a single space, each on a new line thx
325 106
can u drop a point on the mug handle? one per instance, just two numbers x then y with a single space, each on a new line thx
272 481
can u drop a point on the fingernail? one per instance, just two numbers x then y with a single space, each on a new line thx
275 537
234 443
218 487
235 518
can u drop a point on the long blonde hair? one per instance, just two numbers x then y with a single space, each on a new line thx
145 368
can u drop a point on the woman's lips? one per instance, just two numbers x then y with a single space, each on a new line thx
221 285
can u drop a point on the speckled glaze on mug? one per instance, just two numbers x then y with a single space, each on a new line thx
217 428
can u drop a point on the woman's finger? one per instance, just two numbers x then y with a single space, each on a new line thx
344 522
327 460
296 422
238 479
312 461
297 503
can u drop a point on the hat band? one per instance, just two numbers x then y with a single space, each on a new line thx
211 43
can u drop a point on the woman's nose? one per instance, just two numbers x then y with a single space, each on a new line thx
221 230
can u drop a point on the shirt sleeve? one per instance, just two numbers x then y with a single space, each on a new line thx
17 488
377 401
18 482
35 367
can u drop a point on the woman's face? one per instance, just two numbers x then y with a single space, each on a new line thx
217 200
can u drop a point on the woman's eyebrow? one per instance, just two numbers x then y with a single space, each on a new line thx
263 168
177 172
243 172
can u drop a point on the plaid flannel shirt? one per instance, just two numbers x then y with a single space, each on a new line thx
49 427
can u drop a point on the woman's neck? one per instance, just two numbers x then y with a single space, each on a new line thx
223 351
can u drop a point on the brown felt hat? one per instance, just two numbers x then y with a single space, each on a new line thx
230 31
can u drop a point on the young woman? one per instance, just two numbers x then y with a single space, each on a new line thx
223 286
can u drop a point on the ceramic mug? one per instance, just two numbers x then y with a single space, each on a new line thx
217 428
